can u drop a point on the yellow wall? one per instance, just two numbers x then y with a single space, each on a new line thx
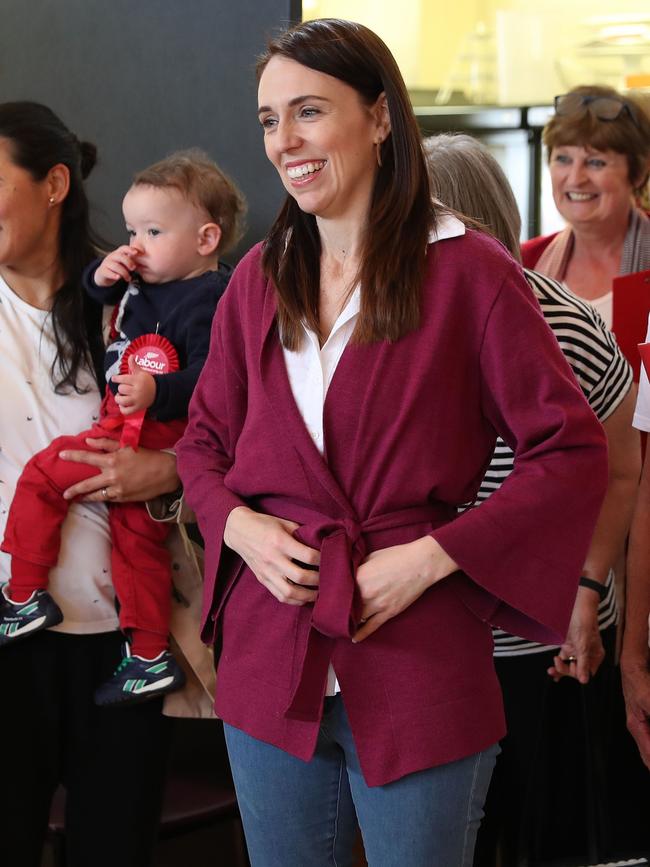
398 24
442 37
516 48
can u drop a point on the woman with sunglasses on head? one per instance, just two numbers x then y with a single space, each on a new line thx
598 146
599 155
363 360
467 177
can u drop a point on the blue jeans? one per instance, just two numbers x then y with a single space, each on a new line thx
304 814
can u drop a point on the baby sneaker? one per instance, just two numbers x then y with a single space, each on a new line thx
22 619
137 679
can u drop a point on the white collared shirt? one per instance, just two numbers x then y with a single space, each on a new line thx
312 367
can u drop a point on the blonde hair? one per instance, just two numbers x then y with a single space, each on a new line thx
202 182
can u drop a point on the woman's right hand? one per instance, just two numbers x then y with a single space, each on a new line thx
123 475
268 548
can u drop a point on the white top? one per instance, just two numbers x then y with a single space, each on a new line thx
31 416
641 419
312 367
604 305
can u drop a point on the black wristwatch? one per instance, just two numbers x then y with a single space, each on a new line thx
601 589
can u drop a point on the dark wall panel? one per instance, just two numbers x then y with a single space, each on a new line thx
141 78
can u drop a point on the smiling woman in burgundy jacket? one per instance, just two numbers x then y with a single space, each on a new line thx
363 360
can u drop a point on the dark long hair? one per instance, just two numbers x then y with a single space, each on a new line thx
39 140
393 256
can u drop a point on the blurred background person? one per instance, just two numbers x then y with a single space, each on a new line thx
598 144
466 177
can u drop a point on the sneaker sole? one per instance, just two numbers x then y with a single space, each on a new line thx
138 697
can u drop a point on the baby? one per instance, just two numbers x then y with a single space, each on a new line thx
180 214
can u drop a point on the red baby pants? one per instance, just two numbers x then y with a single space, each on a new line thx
139 559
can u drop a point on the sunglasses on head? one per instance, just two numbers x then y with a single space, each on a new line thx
603 107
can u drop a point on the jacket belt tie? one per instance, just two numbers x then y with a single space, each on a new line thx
343 544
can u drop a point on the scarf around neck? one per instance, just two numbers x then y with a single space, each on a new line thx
636 249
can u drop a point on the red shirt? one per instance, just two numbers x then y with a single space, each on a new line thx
531 250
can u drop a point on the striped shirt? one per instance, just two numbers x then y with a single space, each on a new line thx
605 378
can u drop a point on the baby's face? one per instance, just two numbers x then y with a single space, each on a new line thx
164 227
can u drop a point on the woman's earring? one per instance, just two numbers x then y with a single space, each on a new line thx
378 145
51 200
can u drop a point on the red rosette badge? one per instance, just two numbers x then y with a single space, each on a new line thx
153 354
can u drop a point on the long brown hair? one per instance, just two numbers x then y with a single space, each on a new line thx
393 255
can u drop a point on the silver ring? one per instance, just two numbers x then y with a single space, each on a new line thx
570 659
104 493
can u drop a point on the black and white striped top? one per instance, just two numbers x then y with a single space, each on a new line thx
605 378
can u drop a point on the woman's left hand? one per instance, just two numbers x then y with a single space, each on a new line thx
125 475
583 643
391 579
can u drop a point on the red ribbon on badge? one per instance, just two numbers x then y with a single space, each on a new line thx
154 354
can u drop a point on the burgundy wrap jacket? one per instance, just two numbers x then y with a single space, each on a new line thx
409 428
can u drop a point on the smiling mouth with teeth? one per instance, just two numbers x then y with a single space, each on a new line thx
298 172
580 197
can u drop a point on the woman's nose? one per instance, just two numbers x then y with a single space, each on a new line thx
286 136
577 174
